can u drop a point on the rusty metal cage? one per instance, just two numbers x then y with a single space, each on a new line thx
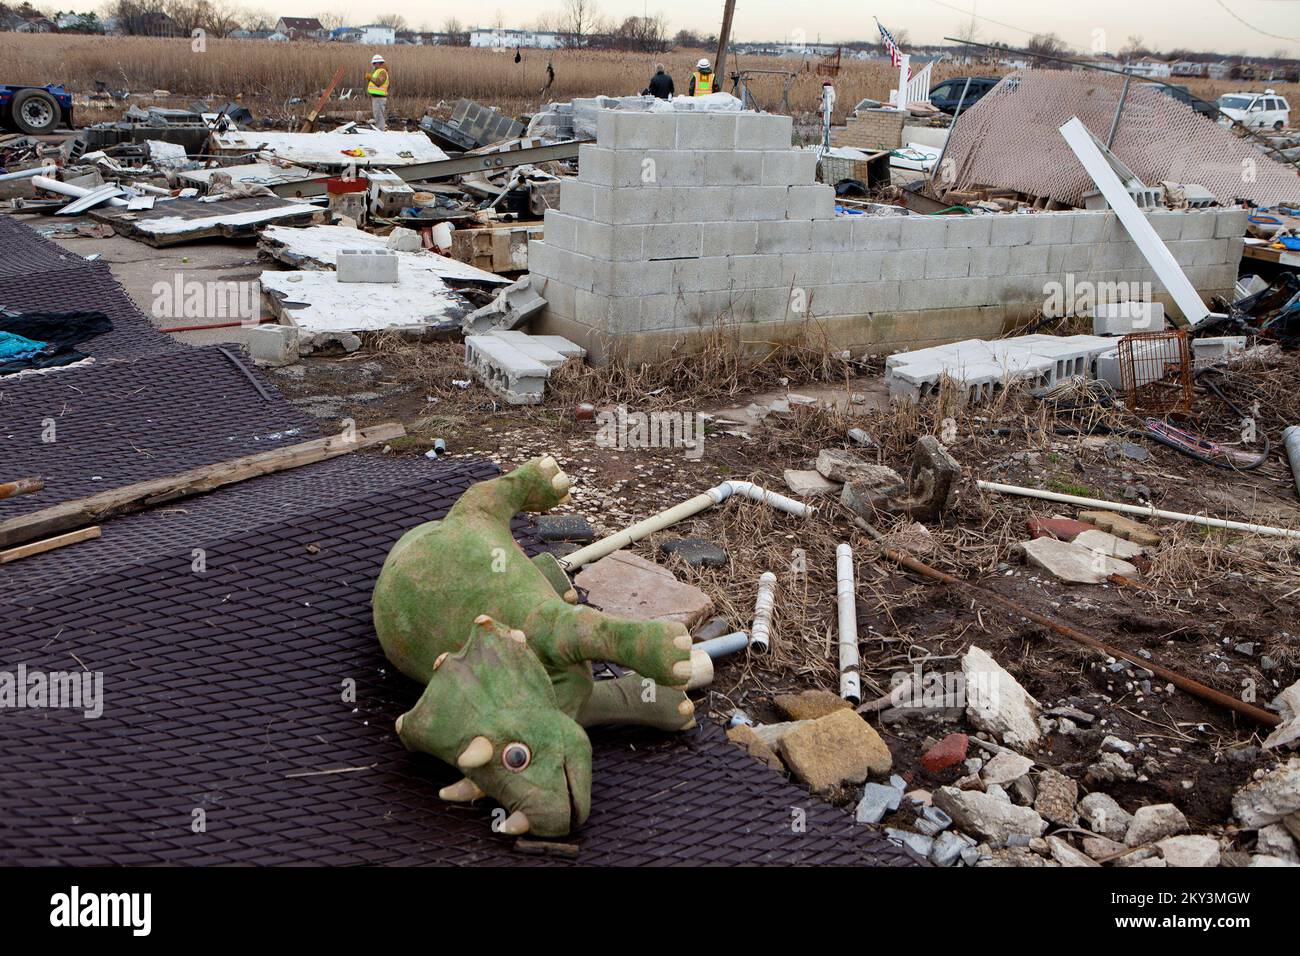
1155 370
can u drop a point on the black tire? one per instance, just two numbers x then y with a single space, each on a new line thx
1278 125
35 112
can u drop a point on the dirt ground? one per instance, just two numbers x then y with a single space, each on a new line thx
1218 607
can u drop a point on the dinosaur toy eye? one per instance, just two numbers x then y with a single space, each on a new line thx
516 757
439 659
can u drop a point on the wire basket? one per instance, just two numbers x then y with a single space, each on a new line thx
1155 371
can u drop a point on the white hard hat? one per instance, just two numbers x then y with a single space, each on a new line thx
376 59
703 64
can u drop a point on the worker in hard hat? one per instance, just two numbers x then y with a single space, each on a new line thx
703 82
377 88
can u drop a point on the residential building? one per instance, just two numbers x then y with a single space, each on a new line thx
505 39
378 34
301 28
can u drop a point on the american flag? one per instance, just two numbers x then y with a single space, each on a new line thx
895 54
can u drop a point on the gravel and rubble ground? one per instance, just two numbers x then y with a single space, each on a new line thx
1215 606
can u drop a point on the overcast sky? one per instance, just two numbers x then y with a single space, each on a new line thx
1258 27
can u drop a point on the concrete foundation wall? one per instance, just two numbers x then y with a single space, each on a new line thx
683 224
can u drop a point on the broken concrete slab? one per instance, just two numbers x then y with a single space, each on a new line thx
336 149
877 800
1122 527
318 302
995 701
987 816
317 247
1070 562
1270 799
877 490
806 484
1005 767
1056 798
837 464
1189 850
834 750
1108 544
187 220
625 584
749 740
1155 822
513 306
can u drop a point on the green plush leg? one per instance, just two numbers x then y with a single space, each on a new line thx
567 634
623 701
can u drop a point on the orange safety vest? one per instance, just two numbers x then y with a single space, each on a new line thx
376 86
704 83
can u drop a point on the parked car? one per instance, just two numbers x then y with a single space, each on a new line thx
1183 95
948 94
34 109
1256 110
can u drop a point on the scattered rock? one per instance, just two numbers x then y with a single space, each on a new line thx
748 740
1275 840
1014 856
933 480
564 528
1067 855
1287 733
1115 745
1108 544
836 464
1265 860
1103 815
946 753
833 750
806 484
627 585
865 496
773 734
918 843
1005 767
987 817
1100 848
914 537
810 704
1056 798
696 552
1111 768
1269 799
1189 850
877 800
996 703
1292 822
948 847
1122 527
1154 823
1072 563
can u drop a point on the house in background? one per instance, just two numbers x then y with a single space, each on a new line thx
301 28
505 39
378 34
1149 67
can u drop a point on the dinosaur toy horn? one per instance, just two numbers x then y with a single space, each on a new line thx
476 754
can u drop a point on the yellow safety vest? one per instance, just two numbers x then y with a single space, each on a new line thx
376 86
704 83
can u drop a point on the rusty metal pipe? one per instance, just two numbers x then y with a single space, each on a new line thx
23 486
1193 687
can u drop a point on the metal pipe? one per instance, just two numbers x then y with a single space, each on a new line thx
67 189
1291 441
846 600
1119 111
1193 687
25 173
760 632
23 486
692 506
1149 511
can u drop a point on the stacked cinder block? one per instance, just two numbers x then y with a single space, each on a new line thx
516 365
680 221
872 129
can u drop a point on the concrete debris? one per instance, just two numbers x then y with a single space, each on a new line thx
1056 798
836 464
624 584
1276 841
810 704
1111 768
932 482
696 552
515 365
1271 798
748 739
877 800
317 301
876 491
273 345
1072 563
1122 527
808 483
1005 767
1155 822
987 817
1066 855
996 702
1189 850
834 750
1287 733
1103 542
513 306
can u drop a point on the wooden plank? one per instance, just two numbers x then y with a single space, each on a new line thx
49 544
98 508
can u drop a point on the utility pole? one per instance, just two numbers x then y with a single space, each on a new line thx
724 37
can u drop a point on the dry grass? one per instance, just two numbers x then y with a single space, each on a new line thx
271 73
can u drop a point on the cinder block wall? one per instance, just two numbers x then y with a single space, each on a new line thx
683 223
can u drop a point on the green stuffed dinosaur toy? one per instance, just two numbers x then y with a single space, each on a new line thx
505 655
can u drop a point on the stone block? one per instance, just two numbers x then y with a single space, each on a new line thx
701 130
810 202
673 241
273 345
877 233
784 236
616 129
763 131
366 265
921 232
788 167
967 232
506 370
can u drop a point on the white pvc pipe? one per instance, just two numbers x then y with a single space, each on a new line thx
1149 511
67 189
25 173
760 632
680 512
850 684
731 643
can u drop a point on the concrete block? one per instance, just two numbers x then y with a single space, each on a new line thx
551 350
967 232
805 270
782 236
1052 228
1207 351
757 203
576 198
1167 224
990 261
631 279
617 129
366 265
1012 230
706 131
273 345
596 165
1124 318
947 263
789 167
1028 260
730 238
1199 225
832 235
905 265
875 233
921 232
810 202
677 240
513 306
560 230
855 267
1230 223
763 131
755 272
1089 227
505 370
733 168
883 296
599 311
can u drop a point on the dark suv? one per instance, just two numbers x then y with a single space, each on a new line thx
1183 95
946 95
